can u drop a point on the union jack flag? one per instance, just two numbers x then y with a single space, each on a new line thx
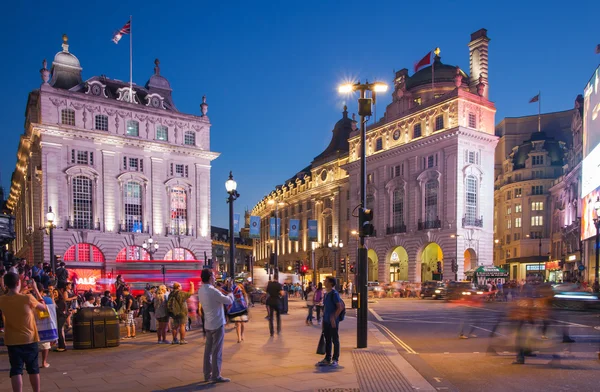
126 29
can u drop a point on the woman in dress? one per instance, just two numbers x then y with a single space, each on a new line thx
238 310
161 313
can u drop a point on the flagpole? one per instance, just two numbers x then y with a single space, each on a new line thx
130 61
539 111
432 73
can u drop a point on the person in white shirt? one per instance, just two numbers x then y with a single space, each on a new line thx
212 301
89 300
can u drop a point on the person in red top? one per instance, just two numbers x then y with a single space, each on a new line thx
20 331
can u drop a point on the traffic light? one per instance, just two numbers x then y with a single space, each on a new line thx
365 225
343 266
439 267
297 266
351 268
303 270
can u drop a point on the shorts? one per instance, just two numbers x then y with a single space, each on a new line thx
129 319
44 346
179 320
163 319
23 354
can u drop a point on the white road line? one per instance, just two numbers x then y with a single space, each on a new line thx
438 379
378 317
487 330
395 338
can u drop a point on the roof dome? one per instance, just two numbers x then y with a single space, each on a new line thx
442 73
66 69
65 58
550 145
339 140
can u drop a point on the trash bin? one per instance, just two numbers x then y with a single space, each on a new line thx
283 304
95 328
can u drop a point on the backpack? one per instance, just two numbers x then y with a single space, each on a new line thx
135 305
174 306
342 315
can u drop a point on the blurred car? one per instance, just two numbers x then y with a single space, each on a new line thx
374 286
572 297
258 296
454 291
431 289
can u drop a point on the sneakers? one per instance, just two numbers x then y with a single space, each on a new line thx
544 337
334 364
323 362
463 336
166 342
183 341
60 350
175 341
220 379
126 337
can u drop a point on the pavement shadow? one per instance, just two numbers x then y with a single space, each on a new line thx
328 369
196 386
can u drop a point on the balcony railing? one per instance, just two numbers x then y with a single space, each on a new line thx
179 231
134 228
396 229
472 222
432 224
82 224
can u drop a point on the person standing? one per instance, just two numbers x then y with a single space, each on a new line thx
275 292
162 314
212 301
130 304
107 301
332 308
238 311
310 304
20 331
177 306
318 301
62 274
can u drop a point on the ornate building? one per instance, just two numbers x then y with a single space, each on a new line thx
319 191
528 164
115 166
430 173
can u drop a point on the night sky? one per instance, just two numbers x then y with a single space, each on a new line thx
270 69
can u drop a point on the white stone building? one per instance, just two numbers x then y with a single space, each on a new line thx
114 170
430 173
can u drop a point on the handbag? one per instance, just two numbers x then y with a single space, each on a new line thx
46 322
321 345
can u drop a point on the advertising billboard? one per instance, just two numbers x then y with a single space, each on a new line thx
590 180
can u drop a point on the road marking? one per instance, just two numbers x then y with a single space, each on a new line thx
378 317
487 330
571 324
446 352
437 379
396 339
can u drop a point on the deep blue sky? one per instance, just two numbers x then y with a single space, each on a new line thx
270 69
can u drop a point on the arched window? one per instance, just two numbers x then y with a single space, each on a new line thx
133 252
82 203
431 200
471 200
179 254
189 138
133 128
133 207
398 208
178 211
84 252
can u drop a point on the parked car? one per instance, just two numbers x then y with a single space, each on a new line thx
431 289
374 286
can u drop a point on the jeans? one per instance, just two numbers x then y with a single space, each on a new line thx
61 321
310 313
331 336
213 353
274 309
319 309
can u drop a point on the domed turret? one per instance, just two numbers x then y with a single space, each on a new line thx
442 73
339 140
66 69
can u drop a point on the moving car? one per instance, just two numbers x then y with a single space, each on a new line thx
258 296
460 290
431 289
572 297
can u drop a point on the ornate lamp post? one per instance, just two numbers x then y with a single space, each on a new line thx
150 246
50 217
335 246
231 187
277 233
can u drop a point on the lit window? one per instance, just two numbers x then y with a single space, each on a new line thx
180 254
82 203
508 210
537 220
178 211
517 222
162 133
518 208
67 117
398 208
509 224
379 144
133 252
439 123
133 207
472 121
101 122
431 200
417 131
537 206
133 128
189 138
518 192
471 200
84 252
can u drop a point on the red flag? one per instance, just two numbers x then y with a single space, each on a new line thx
535 99
424 62
126 29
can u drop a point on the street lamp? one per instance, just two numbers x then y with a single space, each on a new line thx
597 224
455 261
335 246
364 110
272 202
50 217
231 187
150 246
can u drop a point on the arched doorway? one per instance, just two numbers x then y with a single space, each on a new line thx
432 261
399 264
470 259
180 254
84 252
133 252
373 260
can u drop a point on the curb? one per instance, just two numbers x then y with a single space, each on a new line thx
415 379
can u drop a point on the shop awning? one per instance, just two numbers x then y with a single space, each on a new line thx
488 271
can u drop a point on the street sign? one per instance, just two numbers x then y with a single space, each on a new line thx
581 267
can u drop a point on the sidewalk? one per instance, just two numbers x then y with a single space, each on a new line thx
260 363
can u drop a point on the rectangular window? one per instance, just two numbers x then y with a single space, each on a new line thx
133 128
537 206
417 131
379 144
189 138
537 160
518 177
517 236
186 171
82 158
133 164
179 170
439 122
508 238
431 161
508 210
508 195
537 220
472 121
162 133
101 122
537 190
509 224
508 253
517 222
67 117
518 208
518 192
472 157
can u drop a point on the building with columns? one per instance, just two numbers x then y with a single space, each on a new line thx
430 173
116 166
319 191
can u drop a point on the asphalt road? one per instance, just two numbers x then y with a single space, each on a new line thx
426 333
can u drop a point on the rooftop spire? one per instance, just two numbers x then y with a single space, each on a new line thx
345 112
65 44
157 67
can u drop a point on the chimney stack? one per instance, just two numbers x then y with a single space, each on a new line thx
478 61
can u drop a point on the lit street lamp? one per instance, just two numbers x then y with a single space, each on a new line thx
50 217
150 246
277 230
231 187
364 110
336 246
597 224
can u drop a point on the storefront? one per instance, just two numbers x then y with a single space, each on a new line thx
482 275
537 269
554 271
85 279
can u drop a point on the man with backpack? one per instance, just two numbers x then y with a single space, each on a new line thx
178 311
334 311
